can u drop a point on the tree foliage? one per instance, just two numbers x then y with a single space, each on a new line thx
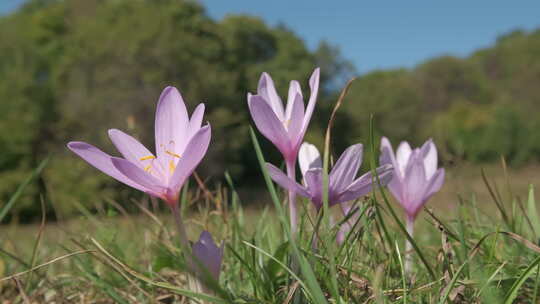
477 108
71 70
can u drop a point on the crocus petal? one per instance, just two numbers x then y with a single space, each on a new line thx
429 152
130 148
171 124
194 123
284 181
346 208
344 171
388 157
415 183
396 186
343 232
403 154
435 183
348 225
364 184
308 157
103 162
387 154
193 154
314 183
294 122
294 89
268 123
209 254
314 87
267 90
136 174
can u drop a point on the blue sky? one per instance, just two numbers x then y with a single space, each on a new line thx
387 34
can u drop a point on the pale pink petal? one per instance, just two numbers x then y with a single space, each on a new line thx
435 183
314 87
268 123
284 181
194 124
308 157
268 91
429 152
415 184
294 89
314 183
102 162
208 254
365 183
403 153
141 177
387 154
345 169
388 157
294 122
193 155
131 148
171 124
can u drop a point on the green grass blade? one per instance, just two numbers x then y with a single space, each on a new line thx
311 281
13 199
532 212
512 293
403 275
450 286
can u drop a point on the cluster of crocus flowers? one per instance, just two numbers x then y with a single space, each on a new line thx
343 186
416 179
284 127
181 142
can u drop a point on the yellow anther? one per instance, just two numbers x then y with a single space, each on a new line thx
172 153
286 123
147 157
147 168
172 166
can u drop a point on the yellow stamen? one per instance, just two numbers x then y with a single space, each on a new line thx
147 157
172 166
147 168
172 153
286 123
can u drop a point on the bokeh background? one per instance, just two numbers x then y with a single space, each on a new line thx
467 75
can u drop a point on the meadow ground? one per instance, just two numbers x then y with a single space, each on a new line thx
113 257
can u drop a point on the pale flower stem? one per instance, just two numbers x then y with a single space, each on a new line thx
193 283
408 246
292 197
182 235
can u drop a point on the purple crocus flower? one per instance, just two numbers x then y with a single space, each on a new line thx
416 178
285 128
181 144
342 185
209 255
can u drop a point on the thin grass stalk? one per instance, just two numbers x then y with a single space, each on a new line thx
180 227
326 164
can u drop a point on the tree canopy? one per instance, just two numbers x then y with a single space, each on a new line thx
71 70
